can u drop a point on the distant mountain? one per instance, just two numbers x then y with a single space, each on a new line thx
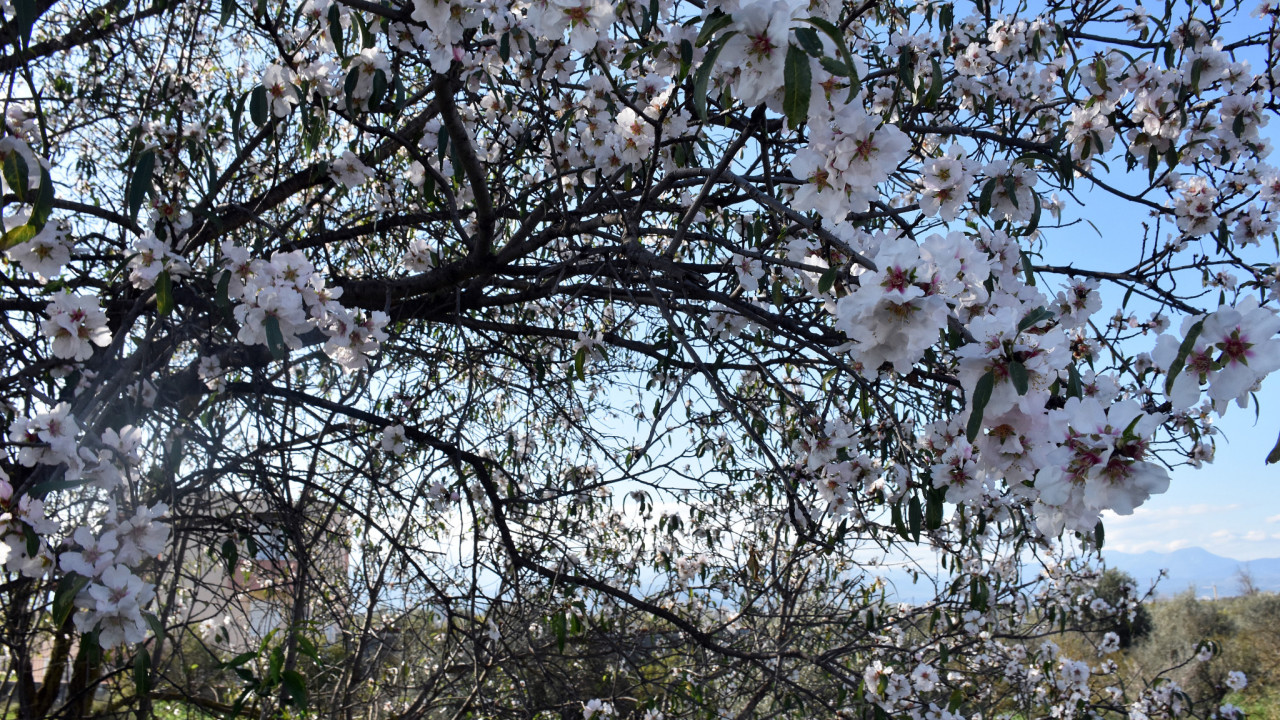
1196 568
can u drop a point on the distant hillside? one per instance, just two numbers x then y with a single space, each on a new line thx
1198 568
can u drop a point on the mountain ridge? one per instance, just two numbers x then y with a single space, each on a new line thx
1207 574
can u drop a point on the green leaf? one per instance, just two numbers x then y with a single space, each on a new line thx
164 293
308 648
580 363
1179 361
836 37
1274 455
809 40
17 174
222 296
142 671
43 205
833 66
1018 374
714 22
896 517
140 185
157 627
25 13
827 280
64 597
915 517
935 84
1010 189
258 110
978 403
984 200
228 7
379 89
561 629
702 77
934 507
17 236
230 555
1099 534
275 338
1036 209
238 660
295 684
1035 317
798 85
335 29
1028 270
1075 386
956 699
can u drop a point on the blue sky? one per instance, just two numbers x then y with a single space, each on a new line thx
1230 507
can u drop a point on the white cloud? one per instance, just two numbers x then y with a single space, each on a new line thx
1159 546
1273 518
1150 513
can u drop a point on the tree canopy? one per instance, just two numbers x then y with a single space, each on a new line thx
484 358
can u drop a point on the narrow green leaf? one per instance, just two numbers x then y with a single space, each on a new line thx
239 660
17 174
230 554
1099 535
65 596
561 628
157 627
1018 374
935 83
142 671
837 37
580 363
933 508
164 293
809 40
915 516
702 77
1179 361
1010 189
827 280
295 684
984 200
379 89
1075 386
221 297
1035 317
1274 455
17 236
978 403
833 66
714 22
258 110
898 524
335 30
798 86
140 185
275 338
25 13
1036 210
228 8
43 205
